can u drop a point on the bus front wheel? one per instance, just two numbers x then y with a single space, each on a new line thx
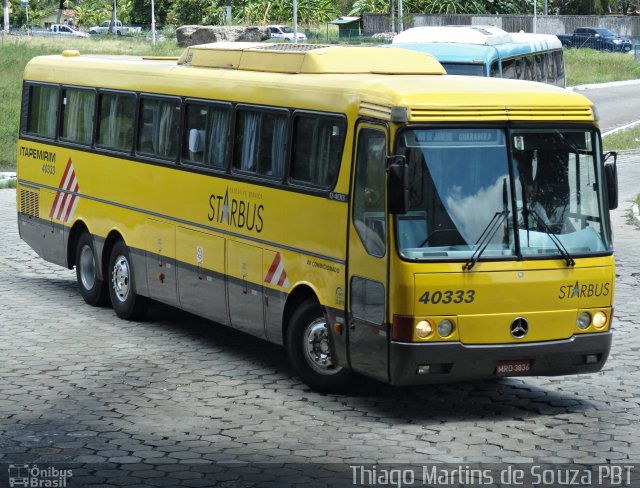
93 290
126 302
309 350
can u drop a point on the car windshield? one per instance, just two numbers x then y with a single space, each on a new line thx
528 192
605 33
287 30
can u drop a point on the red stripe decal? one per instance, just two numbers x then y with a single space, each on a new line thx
273 268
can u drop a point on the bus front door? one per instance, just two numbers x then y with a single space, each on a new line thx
367 265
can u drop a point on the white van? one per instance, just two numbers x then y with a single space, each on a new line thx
285 32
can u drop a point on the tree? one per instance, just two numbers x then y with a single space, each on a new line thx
141 11
369 6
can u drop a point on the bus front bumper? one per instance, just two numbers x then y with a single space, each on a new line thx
417 364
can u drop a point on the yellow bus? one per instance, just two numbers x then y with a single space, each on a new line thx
353 204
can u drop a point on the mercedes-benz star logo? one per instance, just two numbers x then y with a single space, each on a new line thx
519 328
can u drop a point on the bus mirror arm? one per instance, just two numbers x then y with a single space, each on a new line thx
397 185
611 178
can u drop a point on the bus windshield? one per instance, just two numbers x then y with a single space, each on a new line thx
464 69
540 195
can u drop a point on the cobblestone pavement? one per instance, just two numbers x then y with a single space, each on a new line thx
175 399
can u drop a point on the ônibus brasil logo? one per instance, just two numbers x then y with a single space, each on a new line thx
33 476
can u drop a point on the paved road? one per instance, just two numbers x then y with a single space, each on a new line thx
172 400
617 104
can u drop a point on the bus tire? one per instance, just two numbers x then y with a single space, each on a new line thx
93 290
126 302
309 351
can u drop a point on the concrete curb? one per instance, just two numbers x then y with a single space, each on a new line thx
611 84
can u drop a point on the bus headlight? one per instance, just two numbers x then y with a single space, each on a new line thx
584 320
423 329
599 320
445 328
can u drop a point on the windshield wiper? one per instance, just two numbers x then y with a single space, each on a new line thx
485 238
489 231
547 230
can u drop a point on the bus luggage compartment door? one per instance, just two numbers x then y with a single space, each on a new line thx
201 281
161 262
244 285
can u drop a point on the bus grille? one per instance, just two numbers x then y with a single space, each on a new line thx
497 113
30 203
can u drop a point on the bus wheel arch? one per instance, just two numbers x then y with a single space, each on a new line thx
79 227
306 341
87 263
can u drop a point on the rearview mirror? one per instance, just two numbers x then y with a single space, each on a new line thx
611 178
397 185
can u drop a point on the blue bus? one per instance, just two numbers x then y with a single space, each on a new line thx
489 51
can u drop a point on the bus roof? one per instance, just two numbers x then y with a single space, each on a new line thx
370 93
307 58
456 52
473 44
462 34
452 53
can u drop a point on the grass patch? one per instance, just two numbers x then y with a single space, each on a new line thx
15 52
8 183
591 66
622 141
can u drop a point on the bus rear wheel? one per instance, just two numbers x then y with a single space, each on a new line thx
309 350
93 290
126 302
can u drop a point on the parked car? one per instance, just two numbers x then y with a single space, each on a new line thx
285 32
118 29
59 30
596 38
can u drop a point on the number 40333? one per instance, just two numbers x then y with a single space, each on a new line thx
448 296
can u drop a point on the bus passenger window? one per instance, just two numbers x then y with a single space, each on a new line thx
317 148
369 192
261 143
559 62
206 135
77 115
115 120
494 71
43 111
509 69
159 128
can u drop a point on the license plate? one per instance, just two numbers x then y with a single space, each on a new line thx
513 367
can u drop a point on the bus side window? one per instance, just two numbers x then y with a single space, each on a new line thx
115 120
77 115
552 76
509 69
261 145
494 71
529 68
206 135
559 61
317 148
43 111
159 133
369 205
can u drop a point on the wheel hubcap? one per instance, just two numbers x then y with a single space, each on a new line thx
316 348
87 267
120 278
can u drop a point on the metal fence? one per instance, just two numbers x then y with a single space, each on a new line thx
628 26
